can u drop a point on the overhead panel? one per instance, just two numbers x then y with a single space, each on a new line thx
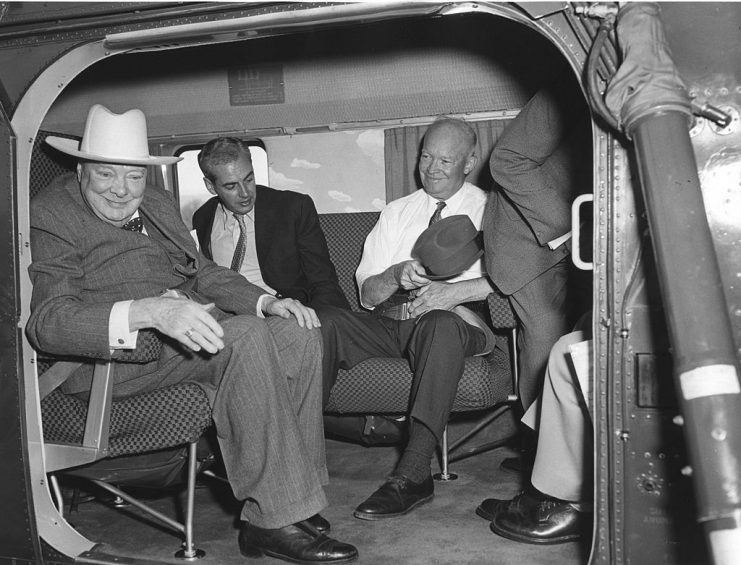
382 71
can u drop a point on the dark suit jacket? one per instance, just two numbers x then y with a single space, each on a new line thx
540 163
83 265
291 248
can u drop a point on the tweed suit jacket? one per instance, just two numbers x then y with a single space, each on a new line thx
540 163
291 247
82 265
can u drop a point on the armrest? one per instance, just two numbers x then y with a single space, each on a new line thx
55 375
148 348
97 421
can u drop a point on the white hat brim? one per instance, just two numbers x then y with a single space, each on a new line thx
72 147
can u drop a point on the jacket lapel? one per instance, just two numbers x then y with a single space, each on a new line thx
185 259
264 224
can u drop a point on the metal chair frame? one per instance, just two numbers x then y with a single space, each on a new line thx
94 447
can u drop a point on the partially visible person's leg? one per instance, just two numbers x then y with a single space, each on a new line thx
544 315
553 509
563 459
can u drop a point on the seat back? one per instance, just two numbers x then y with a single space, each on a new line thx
345 235
382 385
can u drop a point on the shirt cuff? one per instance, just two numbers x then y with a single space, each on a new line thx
556 243
119 336
260 302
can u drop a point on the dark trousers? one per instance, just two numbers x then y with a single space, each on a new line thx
435 345
545 313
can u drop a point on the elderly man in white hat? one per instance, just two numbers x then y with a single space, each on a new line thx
99 289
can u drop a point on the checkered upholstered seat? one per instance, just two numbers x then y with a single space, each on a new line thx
382 385
129 436
163 418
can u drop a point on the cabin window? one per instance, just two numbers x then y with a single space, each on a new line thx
342 171
192 191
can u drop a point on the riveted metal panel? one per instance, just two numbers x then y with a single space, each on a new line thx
18 538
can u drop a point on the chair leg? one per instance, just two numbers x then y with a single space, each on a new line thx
444 474
515 363
189 551
499 411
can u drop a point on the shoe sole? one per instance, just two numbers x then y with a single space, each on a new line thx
256 552
374 517
535 541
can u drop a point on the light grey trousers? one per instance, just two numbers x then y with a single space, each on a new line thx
265 389
563 459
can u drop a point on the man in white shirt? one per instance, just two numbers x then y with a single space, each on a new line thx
434 339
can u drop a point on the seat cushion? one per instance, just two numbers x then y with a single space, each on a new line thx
156 420
382 385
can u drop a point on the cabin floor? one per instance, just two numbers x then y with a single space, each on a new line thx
444 531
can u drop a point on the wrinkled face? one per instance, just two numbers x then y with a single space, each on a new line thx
113 192
234 184
444 162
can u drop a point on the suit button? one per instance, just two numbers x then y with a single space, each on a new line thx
120 341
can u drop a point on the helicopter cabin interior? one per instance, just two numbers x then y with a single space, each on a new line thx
336 112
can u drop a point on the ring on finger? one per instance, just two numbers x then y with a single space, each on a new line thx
189 333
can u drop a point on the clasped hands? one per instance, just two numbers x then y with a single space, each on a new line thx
428 295
193 325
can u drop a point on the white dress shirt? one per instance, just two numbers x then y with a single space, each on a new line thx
391 240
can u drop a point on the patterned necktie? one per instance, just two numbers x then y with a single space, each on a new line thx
135 224
436 215
239 250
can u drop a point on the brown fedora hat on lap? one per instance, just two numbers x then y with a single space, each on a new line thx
112 138
448 247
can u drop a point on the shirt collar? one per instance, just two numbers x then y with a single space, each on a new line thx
452 203
227 218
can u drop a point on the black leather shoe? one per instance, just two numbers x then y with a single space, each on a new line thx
396 497
297 543
319 522
489 507
529 518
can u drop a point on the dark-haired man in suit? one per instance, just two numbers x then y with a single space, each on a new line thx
99 289
271 237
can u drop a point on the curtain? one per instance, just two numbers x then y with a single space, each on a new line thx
401 152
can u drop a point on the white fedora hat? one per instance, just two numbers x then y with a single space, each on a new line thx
112 138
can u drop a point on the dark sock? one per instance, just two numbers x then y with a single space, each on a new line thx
415 461
538 495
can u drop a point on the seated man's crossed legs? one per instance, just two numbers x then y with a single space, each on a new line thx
435 344
556 507
265 391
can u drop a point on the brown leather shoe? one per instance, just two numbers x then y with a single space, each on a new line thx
396 497
529 518
297 543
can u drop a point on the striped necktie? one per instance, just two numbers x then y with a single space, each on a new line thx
436 216
239 250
